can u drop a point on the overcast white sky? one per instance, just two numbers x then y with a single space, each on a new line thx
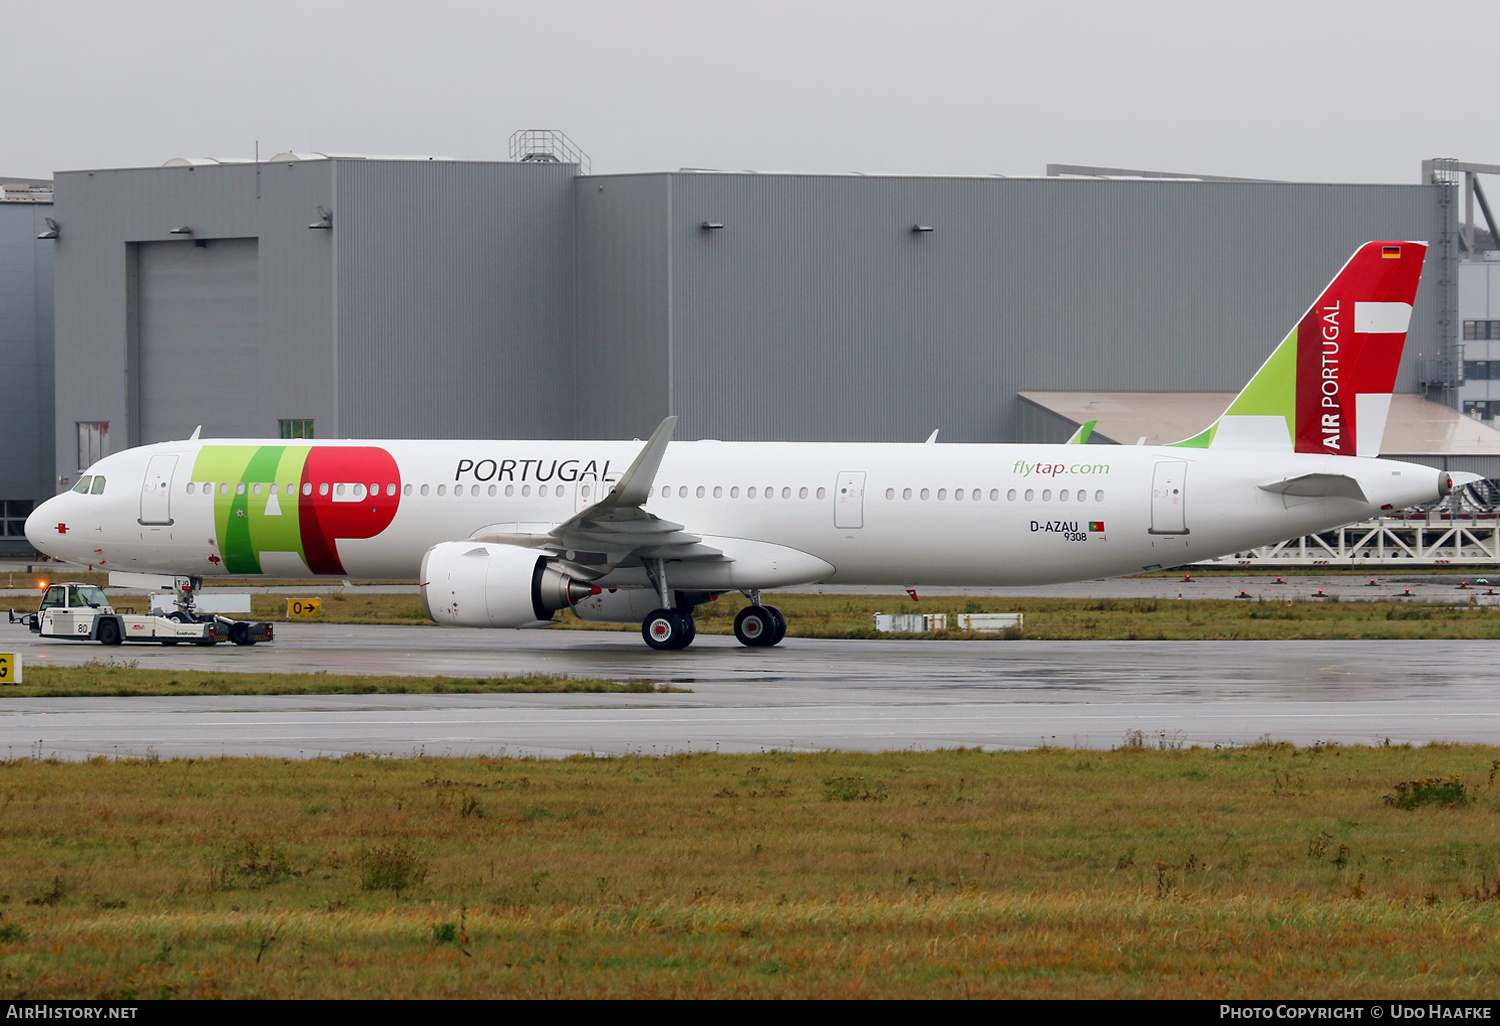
1305 90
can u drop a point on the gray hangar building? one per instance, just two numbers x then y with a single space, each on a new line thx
327 296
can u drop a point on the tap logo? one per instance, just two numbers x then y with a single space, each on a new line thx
297 499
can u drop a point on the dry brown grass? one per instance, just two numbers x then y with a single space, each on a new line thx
1255 872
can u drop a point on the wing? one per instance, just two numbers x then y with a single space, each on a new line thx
616 529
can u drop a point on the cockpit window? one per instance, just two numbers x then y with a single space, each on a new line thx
98 488
82 487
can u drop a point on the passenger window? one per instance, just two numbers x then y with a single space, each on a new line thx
1099 496
558 491
718 491
682 492
542 491
958 495
1030 494
291 488
525 489
701 492
191 486
98 488
924 494
1010 496
239 489
425 488
256 489
493 490
1046 494
82 487
584 493
224 488
1062 496
510 490
666 491
405 489
890 493
442 489
975 496
734 491
906 493
390 489
771 493
995 495
786 493
306 487
942 494
822 492
750 492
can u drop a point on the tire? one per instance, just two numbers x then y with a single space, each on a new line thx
180 617
239 633
780 620
668 629
109 632
755 626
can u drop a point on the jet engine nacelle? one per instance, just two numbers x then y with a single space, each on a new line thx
479 584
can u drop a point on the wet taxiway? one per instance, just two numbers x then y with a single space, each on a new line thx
807 694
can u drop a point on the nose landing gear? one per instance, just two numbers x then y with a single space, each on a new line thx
759 626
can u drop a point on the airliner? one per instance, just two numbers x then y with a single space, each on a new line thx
507 533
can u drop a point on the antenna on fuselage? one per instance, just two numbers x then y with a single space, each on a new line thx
932 438
194 436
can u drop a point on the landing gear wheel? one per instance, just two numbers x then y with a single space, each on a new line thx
180 617
668 629
780 618
755 626
239 633
109 632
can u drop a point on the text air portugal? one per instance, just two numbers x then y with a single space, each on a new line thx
1337 361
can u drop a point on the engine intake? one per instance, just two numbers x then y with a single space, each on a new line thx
481 584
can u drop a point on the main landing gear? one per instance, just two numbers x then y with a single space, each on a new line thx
756 626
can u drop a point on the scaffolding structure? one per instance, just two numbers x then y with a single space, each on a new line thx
1433 539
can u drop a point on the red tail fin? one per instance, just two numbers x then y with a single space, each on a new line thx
1349 347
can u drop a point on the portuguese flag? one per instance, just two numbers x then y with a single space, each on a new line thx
1096 525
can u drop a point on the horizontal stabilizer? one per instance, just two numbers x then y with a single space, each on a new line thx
1318 486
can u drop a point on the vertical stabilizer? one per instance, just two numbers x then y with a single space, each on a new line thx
1327 387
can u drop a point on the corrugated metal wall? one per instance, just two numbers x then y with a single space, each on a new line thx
817 312
26 270
106 215
622 371
455 299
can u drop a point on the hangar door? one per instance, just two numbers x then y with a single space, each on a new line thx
198 310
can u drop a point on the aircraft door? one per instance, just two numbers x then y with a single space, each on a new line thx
156 490
1168 492
849 499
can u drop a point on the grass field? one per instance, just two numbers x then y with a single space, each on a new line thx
1265 871
121 677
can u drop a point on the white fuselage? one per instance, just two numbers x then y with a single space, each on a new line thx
892 514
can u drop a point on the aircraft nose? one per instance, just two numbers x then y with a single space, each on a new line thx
46 526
